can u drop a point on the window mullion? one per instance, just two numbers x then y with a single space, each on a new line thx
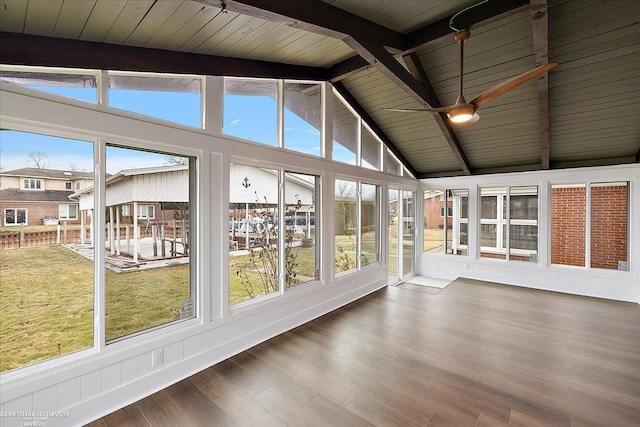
97 222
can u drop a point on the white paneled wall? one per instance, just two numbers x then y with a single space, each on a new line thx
610 284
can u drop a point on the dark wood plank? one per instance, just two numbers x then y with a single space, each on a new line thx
475 354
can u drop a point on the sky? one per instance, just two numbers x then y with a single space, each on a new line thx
248 117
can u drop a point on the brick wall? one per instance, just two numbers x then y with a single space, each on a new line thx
608 221
432 213
608 226
35 211
568 225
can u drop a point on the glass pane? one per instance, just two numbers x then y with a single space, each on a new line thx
346 222
370 150
46 275
488 207
345 133
303 117
609 225
523 238
524 203
391 165
148 280
394 226
433 207
175 99
251 110
568 224
464 239
408 233
464 206
488 235
369 241
302 251
253 234
77 86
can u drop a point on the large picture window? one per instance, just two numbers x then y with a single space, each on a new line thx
159 238
46 277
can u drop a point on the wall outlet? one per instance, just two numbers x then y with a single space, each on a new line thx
157 357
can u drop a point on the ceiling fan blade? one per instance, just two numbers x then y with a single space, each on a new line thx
420 110
509 84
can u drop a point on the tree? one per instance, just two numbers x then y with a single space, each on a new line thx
176 161
37 157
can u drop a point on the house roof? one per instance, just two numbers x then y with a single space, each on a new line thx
386 54
15 195
48 173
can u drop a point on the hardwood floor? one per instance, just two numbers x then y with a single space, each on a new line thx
476 354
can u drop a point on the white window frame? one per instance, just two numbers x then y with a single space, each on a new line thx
32 184
15 216
63 212
125 209
501 222
143 211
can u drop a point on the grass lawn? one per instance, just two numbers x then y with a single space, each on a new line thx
46 303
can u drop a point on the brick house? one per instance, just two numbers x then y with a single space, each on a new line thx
29 195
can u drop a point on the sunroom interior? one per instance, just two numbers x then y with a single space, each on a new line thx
253 172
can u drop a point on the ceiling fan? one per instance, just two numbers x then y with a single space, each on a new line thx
466 112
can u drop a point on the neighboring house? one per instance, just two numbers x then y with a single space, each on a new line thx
29 195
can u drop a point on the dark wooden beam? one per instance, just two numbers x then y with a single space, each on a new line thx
638 157
22 49
342 90
540 24
481 15
318 17
417 70
418 39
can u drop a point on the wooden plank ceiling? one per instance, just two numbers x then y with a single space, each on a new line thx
381 53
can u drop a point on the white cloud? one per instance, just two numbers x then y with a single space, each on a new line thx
236 122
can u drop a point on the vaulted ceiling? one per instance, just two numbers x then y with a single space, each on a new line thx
383 53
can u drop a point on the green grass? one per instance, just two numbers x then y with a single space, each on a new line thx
46 303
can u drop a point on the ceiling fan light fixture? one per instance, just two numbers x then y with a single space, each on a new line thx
463 112
460 118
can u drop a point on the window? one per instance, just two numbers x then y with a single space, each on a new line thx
357 225
76 84
46 308
15 216
345 132
393 234
302 251
68 212
446 218
370 149
346 223
509 223
391 164
369 219
176 98
303 117
77 185
146 211
32 184
67 186
164 292
605 205
251 110
254 200
125 210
